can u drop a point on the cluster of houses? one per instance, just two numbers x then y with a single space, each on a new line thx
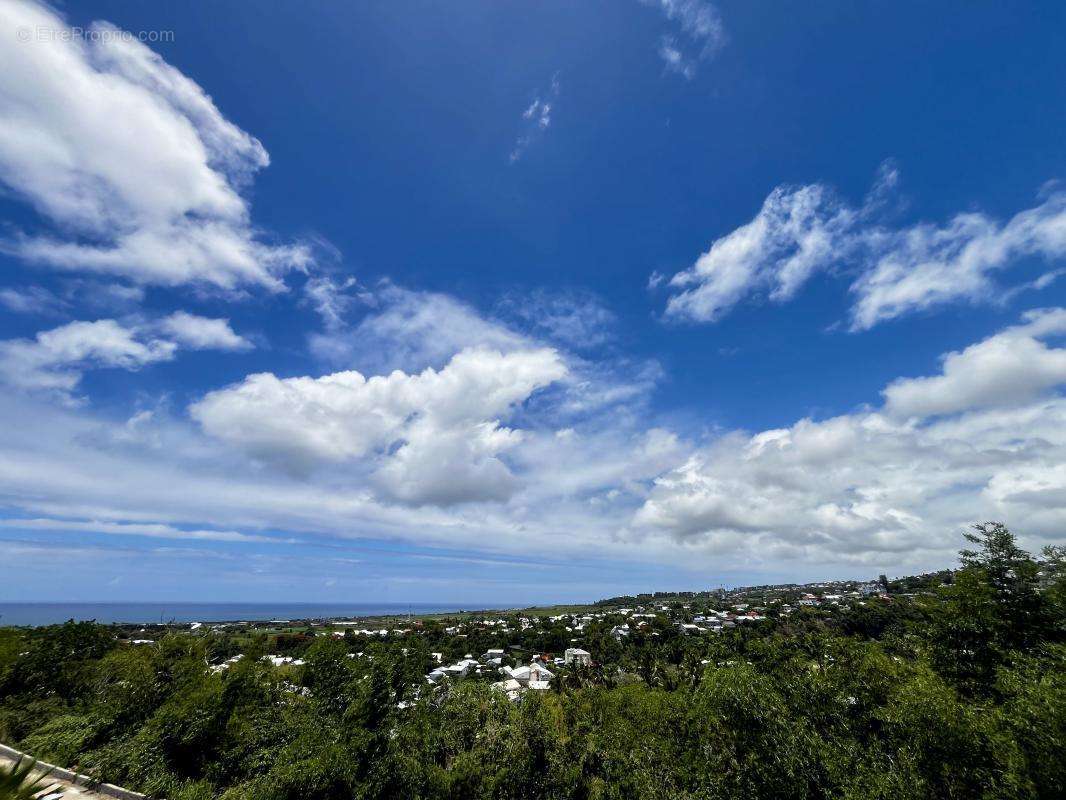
515 680
708 622
381 632
276 661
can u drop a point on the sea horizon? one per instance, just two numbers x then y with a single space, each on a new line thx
148 612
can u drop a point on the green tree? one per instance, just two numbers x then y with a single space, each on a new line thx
993 608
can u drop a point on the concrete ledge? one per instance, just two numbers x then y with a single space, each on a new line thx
74 778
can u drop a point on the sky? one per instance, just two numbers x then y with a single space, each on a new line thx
513 303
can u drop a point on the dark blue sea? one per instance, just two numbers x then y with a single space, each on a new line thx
52 613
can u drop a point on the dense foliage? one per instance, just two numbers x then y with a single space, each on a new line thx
956 693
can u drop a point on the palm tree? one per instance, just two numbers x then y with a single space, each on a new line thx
18 782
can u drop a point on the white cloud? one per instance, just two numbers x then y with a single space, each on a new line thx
1010 368
801 231
927 265
155 199
893 486
796 232
536 119
202 333
444 458
410 331
429 431
701 29
55 360
571 493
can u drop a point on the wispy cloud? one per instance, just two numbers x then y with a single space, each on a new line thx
146 529
700 34
32 300
536 119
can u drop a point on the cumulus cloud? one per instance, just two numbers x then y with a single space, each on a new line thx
410 330
55 360
536 119
888 486
1010 368
202 333
436 434
701 34
571 490
801 231
454 455
155 199
865 488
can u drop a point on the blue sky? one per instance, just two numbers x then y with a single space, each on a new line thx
507 302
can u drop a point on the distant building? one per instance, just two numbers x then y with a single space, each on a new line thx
575 656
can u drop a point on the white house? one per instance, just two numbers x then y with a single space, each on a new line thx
528 675
577 657
511 687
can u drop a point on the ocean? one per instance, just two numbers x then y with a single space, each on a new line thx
52 613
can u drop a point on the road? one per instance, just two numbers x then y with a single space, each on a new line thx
54 785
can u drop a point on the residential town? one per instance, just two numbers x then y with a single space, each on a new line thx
520 651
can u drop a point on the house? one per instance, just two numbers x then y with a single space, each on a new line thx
577 657
511 687
436 676
280 661
460 668
226 664
527 675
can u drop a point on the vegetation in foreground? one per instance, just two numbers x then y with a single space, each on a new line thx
959 692
22 781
